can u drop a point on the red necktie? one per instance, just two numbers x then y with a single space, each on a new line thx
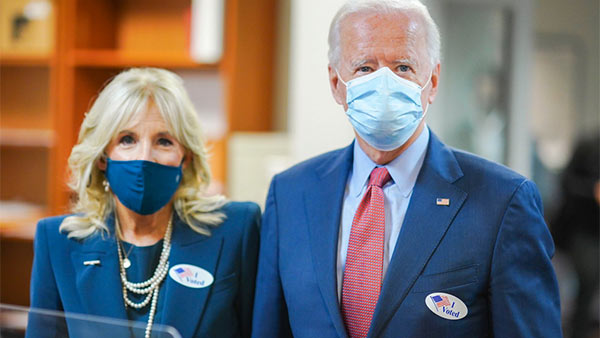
364 260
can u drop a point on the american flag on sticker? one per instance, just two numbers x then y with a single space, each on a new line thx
442 201
440 301
184 272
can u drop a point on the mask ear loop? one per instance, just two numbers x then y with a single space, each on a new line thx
423 88
340 78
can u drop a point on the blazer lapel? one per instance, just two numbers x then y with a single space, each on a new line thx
424 226
189 247
99 285
323 210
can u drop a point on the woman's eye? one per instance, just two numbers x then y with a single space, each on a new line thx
127 139
164 142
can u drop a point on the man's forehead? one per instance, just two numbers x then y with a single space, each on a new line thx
376 32
370 23
394 50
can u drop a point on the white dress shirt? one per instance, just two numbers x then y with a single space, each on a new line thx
404 170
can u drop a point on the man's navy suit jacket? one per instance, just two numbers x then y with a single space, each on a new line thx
60 281
489 247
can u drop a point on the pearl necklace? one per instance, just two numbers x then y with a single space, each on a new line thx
150 286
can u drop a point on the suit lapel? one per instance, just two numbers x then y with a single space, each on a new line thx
100 288
188 247
425 224
323 208
99 285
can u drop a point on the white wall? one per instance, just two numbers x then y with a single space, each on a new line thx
578 22
315 122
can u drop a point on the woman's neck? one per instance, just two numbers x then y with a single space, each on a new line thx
142 230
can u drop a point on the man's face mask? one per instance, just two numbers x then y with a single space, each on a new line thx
384 109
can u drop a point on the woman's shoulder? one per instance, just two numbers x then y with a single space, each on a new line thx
240 217
48 229
240 209
51 223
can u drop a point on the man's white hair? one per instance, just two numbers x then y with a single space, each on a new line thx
384 7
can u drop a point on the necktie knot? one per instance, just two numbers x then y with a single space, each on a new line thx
379 177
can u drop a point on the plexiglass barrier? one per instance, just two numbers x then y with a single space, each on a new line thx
18 321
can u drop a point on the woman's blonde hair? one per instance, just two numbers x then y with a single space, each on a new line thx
127 94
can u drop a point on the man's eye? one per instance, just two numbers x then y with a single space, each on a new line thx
126 140
164 142
403 68
365 69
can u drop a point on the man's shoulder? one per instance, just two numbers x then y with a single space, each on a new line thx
468 170
481 172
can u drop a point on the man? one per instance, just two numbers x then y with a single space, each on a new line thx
398 235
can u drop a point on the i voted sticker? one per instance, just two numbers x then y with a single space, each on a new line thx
191 276
446 305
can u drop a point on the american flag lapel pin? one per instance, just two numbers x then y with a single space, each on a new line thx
442 201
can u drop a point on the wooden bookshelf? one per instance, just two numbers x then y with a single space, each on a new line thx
93 40
57 72
26 126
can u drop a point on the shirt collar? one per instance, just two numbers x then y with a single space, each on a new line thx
404 169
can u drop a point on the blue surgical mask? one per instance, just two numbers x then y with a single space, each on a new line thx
384 109
143 186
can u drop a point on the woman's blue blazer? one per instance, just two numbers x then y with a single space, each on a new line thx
60 280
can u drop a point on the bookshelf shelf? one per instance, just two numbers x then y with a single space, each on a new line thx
106 58
13 137
25 59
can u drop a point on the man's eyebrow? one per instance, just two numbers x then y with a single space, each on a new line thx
360 62
405 61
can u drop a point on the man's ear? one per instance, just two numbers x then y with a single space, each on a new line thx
338 90
435 79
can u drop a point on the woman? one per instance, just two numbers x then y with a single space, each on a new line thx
144 242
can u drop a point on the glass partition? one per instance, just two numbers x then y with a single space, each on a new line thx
17 321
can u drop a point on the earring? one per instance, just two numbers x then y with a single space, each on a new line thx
106 185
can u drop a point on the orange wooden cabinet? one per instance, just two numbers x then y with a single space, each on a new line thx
45 94
48 84
27 47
